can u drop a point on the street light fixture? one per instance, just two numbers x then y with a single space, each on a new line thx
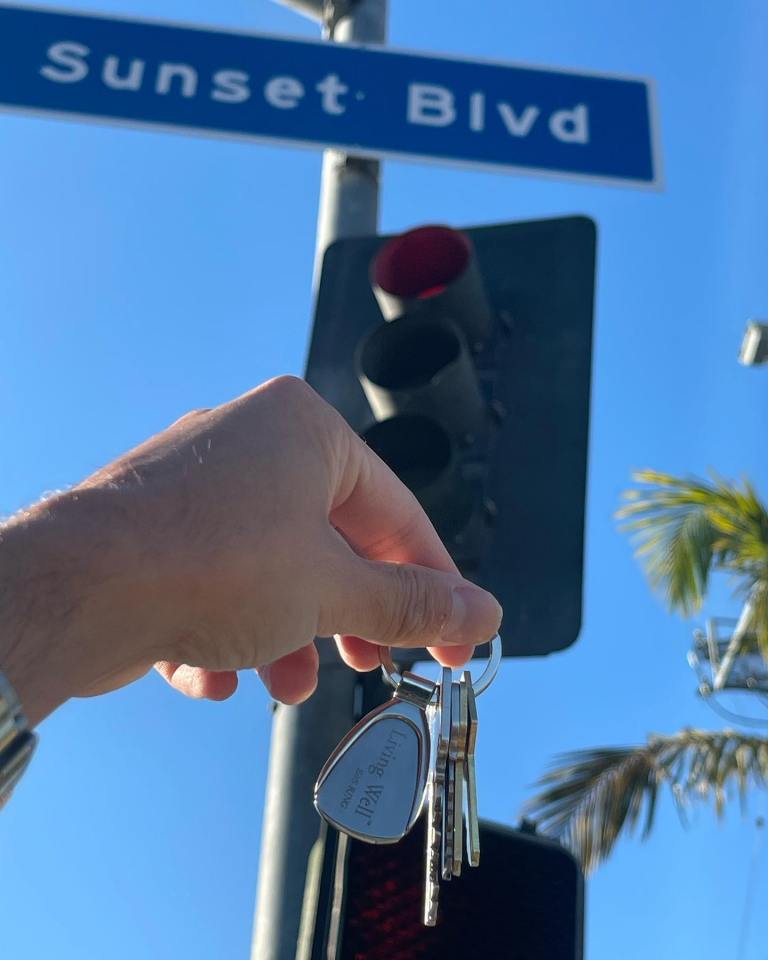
754 347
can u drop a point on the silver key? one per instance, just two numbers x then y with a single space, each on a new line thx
456 755
440 714
470 775
372 787
449 797
454 790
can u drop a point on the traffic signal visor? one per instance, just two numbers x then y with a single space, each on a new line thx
417 370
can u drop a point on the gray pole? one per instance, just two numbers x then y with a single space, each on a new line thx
303 736
349 190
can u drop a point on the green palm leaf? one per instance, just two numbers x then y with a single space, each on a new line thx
685 529
591 796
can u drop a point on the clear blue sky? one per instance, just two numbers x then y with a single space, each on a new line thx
144 274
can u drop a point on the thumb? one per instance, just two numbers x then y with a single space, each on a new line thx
405 605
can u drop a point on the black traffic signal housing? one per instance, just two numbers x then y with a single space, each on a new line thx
524 902
463 358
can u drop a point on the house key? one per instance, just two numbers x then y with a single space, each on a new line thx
453 717
441 719
470 775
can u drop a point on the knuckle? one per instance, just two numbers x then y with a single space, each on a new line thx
191 415
286 393
286 390
289 387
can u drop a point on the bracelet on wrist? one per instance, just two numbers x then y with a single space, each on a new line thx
17 741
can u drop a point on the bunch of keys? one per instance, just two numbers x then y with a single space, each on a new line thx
417 747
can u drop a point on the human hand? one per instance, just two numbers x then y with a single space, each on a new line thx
230 540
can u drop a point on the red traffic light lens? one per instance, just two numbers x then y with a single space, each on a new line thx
422 262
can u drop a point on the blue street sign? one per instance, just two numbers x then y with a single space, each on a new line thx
380 103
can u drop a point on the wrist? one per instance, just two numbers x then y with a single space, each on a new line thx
59 599
38 610
17 742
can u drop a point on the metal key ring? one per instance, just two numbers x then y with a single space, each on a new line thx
394 677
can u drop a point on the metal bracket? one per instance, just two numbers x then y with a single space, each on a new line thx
742 628
333 11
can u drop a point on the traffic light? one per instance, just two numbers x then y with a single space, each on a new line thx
524 902
463 359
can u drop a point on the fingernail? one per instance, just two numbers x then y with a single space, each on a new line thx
473 612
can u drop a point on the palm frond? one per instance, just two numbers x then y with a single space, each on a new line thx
591 796
686 528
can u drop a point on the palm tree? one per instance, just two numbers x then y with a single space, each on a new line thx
685 530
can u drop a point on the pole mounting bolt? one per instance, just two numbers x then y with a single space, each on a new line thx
335 10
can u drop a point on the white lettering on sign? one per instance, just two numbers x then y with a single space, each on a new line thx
571 126
427 104
132 80
518 126
283 92
67 62
430 105
168 72
68 56
477 112
230 86
331 89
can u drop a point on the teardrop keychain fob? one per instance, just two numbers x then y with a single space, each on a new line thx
372 786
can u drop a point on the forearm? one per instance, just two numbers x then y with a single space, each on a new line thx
38 610
61 601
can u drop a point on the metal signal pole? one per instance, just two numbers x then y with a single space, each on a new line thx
303 736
